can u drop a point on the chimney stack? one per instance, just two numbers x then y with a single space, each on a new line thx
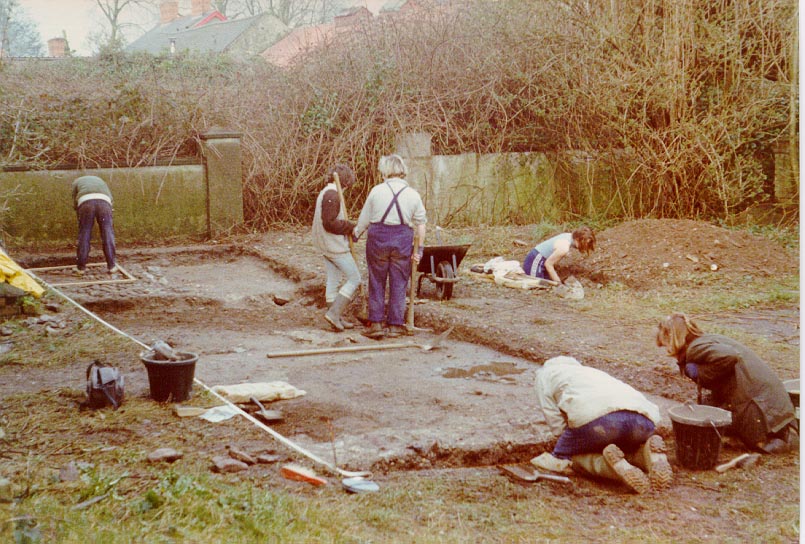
57 47
200 7
168 11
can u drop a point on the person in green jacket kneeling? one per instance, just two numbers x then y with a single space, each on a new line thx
737 380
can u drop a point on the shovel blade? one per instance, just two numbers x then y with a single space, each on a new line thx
518 473
527 475
438 340
270 416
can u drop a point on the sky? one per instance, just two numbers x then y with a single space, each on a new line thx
75 17
78 18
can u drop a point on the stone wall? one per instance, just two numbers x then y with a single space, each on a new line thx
486 189
473 189
150 203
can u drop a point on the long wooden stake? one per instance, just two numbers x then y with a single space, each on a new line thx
337 180
410 314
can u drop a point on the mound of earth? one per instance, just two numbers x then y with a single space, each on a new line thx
646 252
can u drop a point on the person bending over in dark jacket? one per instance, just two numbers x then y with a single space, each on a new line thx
738 381
92 201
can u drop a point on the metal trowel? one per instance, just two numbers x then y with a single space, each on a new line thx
269 416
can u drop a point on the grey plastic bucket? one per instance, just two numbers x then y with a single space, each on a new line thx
696 429
170 380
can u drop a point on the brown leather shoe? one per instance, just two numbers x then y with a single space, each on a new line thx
374 331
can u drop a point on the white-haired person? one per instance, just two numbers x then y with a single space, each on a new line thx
738 380
330 232
605 428
395 218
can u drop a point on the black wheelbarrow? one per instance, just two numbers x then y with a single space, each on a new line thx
439 265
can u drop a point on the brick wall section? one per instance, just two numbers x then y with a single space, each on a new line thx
57 47
168 11
199 7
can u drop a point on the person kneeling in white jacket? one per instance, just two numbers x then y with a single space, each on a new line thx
605 428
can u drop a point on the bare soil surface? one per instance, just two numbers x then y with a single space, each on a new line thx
469 403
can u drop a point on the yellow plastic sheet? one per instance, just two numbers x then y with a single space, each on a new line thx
14 274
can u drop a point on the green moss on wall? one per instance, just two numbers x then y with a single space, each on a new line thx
148 202
491 189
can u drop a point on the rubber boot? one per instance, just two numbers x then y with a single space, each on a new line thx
347 324
612 466
547 461
652 459
333 315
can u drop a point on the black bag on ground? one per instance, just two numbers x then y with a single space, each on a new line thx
105 386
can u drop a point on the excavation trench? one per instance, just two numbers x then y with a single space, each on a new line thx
460 405
469 403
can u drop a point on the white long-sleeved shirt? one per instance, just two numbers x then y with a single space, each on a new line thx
572 395
378 201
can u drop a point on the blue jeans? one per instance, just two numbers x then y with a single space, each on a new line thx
388 257
534 265
627 430
88 213
339 267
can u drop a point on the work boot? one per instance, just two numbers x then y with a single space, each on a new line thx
333 315
374 331
629 474
79 272
551 463
396 331
651 457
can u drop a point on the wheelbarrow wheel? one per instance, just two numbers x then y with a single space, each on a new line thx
444 290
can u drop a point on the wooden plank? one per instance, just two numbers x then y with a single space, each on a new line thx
128 277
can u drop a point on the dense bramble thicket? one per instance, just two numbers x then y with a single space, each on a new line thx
691 94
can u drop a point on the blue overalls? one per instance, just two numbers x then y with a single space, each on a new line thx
388 257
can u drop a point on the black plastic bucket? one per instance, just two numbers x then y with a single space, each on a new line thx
696 430
170 380
792 387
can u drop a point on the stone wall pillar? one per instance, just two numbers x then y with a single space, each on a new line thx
222 159
786 171
414 144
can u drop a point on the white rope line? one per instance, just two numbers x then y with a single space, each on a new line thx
237 409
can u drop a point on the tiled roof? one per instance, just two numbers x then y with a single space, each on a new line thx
214 36
298 41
